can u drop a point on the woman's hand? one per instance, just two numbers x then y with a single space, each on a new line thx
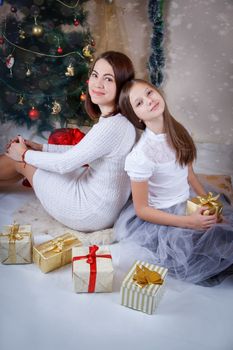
199 221
33 145
30 144
16 150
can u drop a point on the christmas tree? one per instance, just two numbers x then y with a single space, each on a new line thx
45 49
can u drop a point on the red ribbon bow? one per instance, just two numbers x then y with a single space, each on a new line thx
91 259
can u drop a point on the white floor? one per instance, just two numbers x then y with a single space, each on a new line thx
41 311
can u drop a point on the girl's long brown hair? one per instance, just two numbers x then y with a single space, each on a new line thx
123 70
177 136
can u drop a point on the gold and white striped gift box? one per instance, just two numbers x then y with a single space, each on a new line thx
144 299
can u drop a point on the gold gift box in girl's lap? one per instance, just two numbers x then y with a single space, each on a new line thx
211 202
55 253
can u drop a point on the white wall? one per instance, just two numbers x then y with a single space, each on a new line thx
199 69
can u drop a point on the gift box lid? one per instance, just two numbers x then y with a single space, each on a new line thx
58 245
150 289
81 255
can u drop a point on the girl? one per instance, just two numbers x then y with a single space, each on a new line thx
193 247
93 200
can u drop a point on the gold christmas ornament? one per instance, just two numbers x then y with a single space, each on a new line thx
22 34
21 100
69 71
87 51
56 109
37 30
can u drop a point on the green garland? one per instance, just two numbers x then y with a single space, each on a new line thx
156 60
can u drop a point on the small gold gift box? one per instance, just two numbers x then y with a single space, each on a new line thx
55 253
210 201
16 244
143 287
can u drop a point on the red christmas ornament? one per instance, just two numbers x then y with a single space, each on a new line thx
60 50
83 97
33 113
2 40
76 22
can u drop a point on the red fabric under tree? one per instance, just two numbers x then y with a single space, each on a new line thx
63 136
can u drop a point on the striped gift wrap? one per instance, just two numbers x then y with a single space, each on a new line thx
144 299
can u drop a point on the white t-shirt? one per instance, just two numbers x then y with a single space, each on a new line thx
153 160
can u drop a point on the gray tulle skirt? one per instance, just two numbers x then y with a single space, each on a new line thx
201 257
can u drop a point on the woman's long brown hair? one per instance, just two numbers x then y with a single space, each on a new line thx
123 70
177 136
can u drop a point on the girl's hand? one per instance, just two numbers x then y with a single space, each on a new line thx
199 221
33 145
17 149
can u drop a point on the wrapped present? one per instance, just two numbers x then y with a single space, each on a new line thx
16 244
55 253
210 201
143 287
92 269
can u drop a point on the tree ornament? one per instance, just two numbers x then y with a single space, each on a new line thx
28 72
60 50
87 51
33 113
10 62
37 30
83 97
13 9
2 40
22 34
56 109
76 22
21 100
92 42
69 71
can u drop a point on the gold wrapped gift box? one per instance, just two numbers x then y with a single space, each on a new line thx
16 244
92 269
143 287
209 201
55 253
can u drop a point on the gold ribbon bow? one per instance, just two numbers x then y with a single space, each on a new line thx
143 276
212 202
14 234
57 245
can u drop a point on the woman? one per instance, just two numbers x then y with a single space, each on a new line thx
93 200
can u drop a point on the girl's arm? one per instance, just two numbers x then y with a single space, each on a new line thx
156 216
194 182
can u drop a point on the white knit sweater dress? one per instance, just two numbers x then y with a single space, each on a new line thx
93 200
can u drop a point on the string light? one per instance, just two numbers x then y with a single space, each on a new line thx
42 54
70 7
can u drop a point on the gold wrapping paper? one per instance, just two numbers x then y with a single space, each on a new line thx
55 253
16 244
210 201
